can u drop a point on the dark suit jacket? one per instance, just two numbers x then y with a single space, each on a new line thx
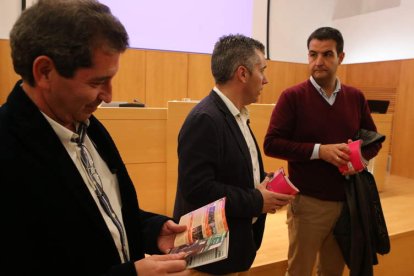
214 162
50 221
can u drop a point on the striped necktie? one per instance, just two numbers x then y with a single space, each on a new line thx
96 183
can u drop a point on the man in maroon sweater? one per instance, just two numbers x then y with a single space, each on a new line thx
310 127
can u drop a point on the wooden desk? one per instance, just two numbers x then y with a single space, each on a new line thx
140 135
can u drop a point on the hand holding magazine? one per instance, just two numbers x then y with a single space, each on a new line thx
206 239
355 158
281 184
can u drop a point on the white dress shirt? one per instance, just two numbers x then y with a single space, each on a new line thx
109 181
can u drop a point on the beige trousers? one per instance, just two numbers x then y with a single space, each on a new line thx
310 223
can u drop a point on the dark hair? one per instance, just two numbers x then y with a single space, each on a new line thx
67 32
325 33
230 52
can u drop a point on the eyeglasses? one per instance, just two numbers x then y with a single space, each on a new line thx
95 180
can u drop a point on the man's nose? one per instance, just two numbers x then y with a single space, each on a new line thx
319 60
106 93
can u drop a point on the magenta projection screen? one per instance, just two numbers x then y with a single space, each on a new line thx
182 25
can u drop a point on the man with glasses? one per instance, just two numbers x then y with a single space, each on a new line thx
69 206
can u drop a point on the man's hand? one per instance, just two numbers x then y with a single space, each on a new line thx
272 201
336 154
173 264
167 235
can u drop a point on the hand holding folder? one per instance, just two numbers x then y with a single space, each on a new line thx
355 158
281 184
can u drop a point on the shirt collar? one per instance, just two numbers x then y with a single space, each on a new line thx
230 105
320 89
65 135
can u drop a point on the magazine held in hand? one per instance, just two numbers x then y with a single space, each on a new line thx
206 239
281 184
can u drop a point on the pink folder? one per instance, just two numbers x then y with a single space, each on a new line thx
355 160
280 183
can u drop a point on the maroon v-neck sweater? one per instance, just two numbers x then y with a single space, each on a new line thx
301 119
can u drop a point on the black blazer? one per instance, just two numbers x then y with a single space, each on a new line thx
214 162
51 223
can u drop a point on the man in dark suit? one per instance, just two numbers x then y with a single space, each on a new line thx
219 157
68 204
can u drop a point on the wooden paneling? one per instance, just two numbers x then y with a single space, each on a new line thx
200 79
381 93
140 139
8 77
149 183
402 151
377 80
156 77
147 113
374 74
129 83
166 77
378 165
341 73
177 112
140 136
400 259
280 76
259 122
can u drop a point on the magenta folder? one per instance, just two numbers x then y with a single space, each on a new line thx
280 183
355 161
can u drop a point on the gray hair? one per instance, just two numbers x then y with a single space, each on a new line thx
230 52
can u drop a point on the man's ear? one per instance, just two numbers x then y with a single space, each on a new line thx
242 73
341 57
43 66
